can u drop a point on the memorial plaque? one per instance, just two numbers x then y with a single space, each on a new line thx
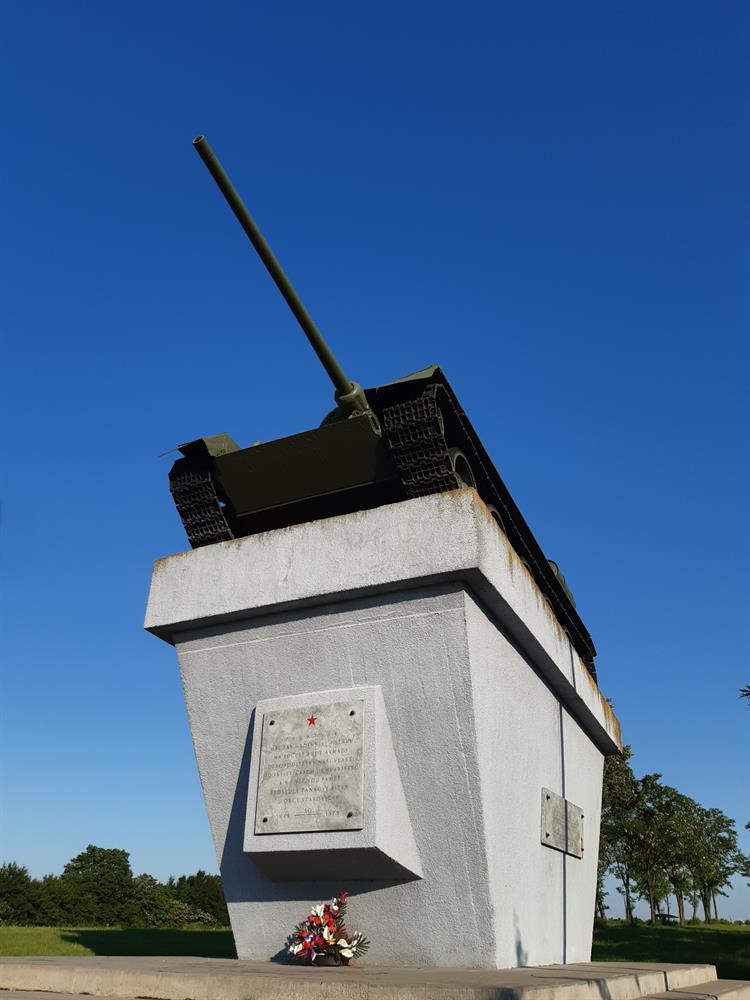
310 772
562 824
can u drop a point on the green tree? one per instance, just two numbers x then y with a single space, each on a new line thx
203 892
647 843
600 906
716 856
744 861
664 837
620 796
157 906
18 895
654 838
679 819
99 882
97 888
152 902
655 891
57 903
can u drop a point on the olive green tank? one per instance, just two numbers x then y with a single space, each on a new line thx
380 445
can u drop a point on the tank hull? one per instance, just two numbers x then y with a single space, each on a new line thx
427 445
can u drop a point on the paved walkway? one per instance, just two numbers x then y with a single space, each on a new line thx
177 978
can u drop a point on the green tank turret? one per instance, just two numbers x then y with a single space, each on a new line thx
393 442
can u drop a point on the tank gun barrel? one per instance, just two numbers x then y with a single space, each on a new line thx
348 394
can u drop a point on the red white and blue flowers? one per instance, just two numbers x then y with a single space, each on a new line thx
324 935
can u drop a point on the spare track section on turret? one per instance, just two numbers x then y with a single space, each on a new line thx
414 431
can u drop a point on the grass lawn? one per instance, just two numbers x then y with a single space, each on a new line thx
114 941
727 946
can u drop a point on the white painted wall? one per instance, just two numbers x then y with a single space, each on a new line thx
412 645
482 716
583 785
517 722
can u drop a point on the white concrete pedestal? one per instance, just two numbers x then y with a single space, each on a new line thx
484 704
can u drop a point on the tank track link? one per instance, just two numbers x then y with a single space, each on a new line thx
414 431
198 505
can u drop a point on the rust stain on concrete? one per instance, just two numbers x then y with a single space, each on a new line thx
612 723
515 562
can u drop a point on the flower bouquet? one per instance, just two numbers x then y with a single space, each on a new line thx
324 938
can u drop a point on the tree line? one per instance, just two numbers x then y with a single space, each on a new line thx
97 889
658 842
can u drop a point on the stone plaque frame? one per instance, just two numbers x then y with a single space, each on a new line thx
310 774
379 843
562 824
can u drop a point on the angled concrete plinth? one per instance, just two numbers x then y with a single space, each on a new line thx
225 979
486 702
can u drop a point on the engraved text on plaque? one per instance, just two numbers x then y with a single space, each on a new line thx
310 773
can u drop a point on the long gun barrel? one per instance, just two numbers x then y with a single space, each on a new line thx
349 395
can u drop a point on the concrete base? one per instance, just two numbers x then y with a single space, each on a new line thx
226 979
485 698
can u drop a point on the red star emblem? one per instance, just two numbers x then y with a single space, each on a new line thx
311 720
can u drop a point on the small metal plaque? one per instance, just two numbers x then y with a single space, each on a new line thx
310 774
562 824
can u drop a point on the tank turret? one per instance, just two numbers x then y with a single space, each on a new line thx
385 444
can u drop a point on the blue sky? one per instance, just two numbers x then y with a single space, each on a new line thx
550 200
